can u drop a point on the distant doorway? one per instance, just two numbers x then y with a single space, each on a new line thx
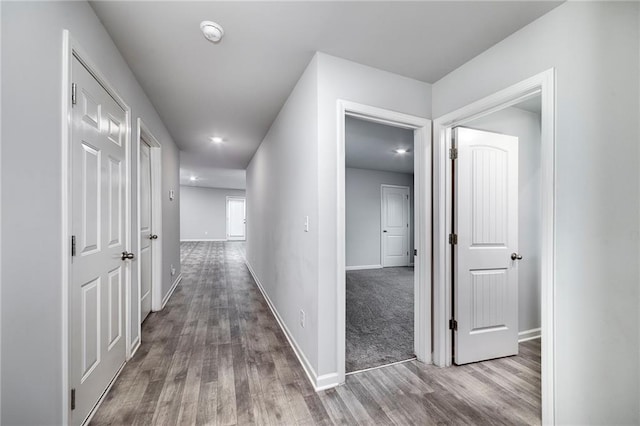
236 219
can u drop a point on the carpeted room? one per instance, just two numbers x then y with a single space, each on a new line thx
379 245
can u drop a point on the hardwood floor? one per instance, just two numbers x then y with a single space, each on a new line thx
215 355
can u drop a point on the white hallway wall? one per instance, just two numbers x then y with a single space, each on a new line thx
203 212
282 186
363 213
32 378
526 126
594 47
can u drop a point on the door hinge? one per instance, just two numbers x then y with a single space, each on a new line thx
453 324
73 93
415 252
73 399
453 153
73 245
453 239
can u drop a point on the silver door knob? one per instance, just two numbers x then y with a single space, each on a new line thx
516 256
127 255
153 237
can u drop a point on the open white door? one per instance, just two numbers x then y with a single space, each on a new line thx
395 225
146 234
485 255
98 223
236 219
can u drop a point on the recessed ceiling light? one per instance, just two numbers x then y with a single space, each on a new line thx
193 178
212 31
401 151
216 139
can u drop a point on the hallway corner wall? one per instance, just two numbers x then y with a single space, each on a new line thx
282 190
342 79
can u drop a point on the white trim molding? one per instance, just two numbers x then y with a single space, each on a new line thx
542 84
422 227
319 383
362 267
534 333
166 298
204 240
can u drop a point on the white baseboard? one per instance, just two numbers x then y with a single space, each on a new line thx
134 347
361 267
166 298
325 381
201 240
534 333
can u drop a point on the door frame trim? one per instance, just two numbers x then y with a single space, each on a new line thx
422 227
155 158
70 49
541 84
382 186
228 217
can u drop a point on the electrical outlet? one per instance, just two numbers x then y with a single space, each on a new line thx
306 224
173 270
302 319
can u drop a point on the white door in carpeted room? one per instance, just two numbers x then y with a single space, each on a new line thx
486 251
395 225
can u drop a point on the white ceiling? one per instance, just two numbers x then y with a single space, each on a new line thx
372 146
235 89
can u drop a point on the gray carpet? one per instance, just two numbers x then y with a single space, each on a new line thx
379 317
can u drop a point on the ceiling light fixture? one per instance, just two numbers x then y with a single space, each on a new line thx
401 151
216 139
212 31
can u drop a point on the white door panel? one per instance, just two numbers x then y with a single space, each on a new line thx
146 243
486 224
97 316
395 226
236 223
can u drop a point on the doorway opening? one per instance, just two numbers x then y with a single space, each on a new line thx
376 267
380 280
149 185
236 218
493 267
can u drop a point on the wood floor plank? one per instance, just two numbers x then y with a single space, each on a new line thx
216 356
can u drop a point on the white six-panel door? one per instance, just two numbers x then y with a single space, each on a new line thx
486 224
146 235
236 218
395 225
97 293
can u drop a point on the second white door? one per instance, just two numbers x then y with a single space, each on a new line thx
486 252
236 222
146 234
395 225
